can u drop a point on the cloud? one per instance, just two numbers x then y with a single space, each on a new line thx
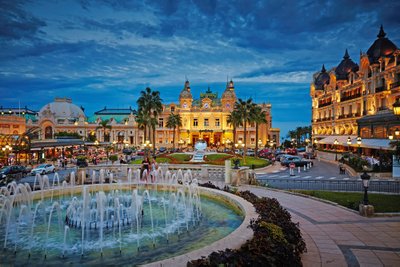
16 23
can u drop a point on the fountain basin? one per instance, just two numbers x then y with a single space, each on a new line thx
180 248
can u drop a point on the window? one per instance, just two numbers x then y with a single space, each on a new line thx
206 122
217 122
48 132
195 122
172 108
161 122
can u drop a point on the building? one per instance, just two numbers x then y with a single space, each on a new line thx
61 124
350 100
206 118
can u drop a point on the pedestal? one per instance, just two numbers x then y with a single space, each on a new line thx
227 171
366 210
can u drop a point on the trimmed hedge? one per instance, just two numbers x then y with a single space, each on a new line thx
277 240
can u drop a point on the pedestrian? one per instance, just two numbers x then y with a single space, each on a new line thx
291 168
145 167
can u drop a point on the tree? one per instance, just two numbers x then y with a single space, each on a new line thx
105 126
174 121
258 117
150 107
244 109
235 120
142 122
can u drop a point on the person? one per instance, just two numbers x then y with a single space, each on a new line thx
154 168
145 166
342 170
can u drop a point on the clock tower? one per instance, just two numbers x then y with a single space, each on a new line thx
228 97
185 97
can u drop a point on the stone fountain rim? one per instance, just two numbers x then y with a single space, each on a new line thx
232 241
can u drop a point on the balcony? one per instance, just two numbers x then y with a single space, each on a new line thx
350 97
324 104
394 85
380 89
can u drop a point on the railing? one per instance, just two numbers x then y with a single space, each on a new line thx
394 85
347 98
324 104
380 89
331 185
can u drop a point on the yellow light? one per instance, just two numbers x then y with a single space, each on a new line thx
336 142
396 107
359 140
349 140
390 136
396 132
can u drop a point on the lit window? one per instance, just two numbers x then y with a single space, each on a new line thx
216 122
195 122
206 122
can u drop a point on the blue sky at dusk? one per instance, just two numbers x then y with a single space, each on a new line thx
104 52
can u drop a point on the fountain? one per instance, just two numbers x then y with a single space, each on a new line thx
132 222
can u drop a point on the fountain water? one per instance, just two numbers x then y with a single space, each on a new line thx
105 216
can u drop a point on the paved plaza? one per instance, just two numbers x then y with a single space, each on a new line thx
337 236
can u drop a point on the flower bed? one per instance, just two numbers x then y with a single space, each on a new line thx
277 240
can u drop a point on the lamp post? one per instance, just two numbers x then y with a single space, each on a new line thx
336 142
365 181
7 149
359 141
147 146
348 143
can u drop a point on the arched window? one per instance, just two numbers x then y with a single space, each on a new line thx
48 132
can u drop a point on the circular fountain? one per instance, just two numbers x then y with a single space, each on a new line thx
94 222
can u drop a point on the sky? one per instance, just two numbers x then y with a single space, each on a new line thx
104 52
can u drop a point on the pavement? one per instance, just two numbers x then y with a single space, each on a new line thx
336 236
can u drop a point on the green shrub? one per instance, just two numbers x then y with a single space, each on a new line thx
113 158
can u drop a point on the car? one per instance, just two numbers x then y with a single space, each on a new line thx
291 151
298 162
250 152
281 156
43 169
162 149
309 155
140 153
15 171
301 149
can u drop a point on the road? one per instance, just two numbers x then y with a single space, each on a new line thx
323 176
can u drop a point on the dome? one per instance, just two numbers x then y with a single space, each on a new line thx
322 79
185 93
382 47
345 67
62 108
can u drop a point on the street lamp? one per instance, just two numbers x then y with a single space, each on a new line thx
7 149
365 181
336 142
359 141
348 143
147 146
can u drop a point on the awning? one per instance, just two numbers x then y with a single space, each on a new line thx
374 144
342 139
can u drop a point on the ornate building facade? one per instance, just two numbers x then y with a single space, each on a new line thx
348 93
204 118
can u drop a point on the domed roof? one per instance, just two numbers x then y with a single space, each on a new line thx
62 108
322 79
382 47
185 93
345 67
229 90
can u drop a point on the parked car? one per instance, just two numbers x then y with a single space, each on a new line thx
309 155
281 157
15 171
43 169
299 162
250 152
162 149
291 151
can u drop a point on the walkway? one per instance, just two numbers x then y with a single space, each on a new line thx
338 237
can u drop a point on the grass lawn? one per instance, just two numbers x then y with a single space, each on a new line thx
158 159
381 202
257 162
181 157
212 157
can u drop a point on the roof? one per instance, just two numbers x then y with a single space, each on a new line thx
115 111
345 67
118 118
342 139
55 143
382 47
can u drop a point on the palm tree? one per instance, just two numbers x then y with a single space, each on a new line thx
104 126
142 122
174 121
258 117
235 120
244 109
150 107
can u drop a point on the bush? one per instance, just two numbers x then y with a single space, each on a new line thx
113 158
277 240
